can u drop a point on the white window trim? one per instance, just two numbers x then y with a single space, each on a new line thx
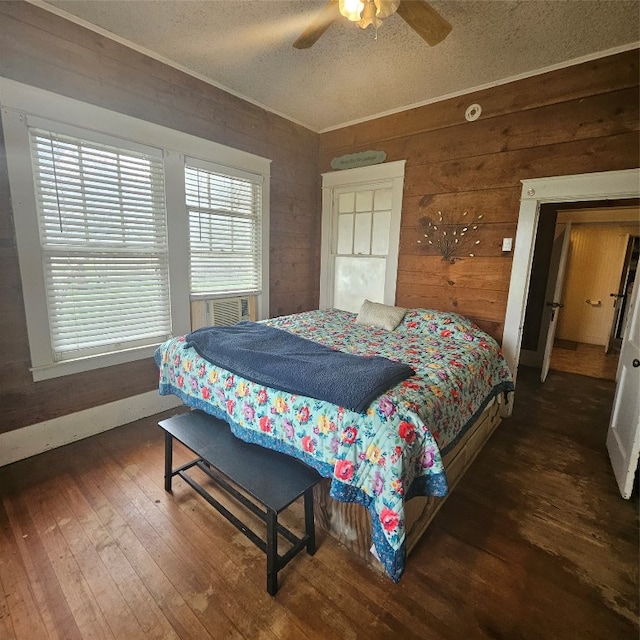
19 102
386 174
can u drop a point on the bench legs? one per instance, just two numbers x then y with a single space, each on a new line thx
272 552
309 525
274 561
168 460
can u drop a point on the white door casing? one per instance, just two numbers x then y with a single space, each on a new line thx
623 437
558 264
608 185
361 211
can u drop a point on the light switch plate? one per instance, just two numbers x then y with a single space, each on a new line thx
507 244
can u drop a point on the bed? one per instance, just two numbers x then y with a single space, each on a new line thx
384 468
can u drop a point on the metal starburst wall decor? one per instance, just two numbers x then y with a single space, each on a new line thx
452 236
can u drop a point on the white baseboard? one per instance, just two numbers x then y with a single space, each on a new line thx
36 438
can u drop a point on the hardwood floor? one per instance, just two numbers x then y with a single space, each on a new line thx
535 543
585 359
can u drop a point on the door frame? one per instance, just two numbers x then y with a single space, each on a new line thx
609 185
385 173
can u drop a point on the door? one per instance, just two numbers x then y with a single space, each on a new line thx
360 235
620 296
623 437
557 267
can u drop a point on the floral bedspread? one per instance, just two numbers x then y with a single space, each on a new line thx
380 458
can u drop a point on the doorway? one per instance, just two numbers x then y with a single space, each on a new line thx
621 185
611 185
574 321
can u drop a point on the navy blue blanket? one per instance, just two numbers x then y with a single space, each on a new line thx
285 361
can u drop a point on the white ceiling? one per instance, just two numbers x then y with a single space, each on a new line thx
245 46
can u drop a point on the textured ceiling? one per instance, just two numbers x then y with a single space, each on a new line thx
245 46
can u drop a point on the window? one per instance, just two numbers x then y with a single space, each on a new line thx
224 210
107 209
103 236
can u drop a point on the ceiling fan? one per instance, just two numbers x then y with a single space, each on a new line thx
418 14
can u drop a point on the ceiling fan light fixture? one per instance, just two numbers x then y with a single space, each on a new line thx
385 8
351 9
369 16
367 12
418 14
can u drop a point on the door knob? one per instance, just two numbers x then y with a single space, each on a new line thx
636 362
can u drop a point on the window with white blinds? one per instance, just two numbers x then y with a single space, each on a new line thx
104 213
103 233
224 210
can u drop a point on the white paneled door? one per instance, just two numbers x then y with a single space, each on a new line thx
623 437
360 234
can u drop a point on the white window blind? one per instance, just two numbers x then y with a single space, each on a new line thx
102 221
224 231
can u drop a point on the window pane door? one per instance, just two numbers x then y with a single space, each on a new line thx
361 246
361 211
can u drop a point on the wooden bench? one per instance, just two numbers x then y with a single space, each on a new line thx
273 479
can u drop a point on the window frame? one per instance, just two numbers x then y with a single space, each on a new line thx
22 105
255 179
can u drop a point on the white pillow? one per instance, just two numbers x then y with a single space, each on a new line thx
380 315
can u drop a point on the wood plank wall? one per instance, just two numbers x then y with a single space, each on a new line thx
576 120
571 121
46 51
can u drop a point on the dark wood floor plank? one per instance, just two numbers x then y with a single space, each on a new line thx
415 613
197 529
535 543
49 601
115 607
74 584
184 568
118 521
153 622
23 618
6 626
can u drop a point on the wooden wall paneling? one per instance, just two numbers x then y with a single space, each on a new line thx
47 51
6 220
121 81
489 273
489 236
504 169
471 302
495 205
290 198
600 76
569 121
299 223
25 402
593 116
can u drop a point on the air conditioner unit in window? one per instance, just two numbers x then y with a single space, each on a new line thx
222 312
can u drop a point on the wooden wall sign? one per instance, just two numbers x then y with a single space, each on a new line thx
360 159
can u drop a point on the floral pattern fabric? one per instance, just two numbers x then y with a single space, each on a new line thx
380 458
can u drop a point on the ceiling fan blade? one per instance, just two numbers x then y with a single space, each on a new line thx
320 24
424 20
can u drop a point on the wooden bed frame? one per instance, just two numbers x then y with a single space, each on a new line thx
350 523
